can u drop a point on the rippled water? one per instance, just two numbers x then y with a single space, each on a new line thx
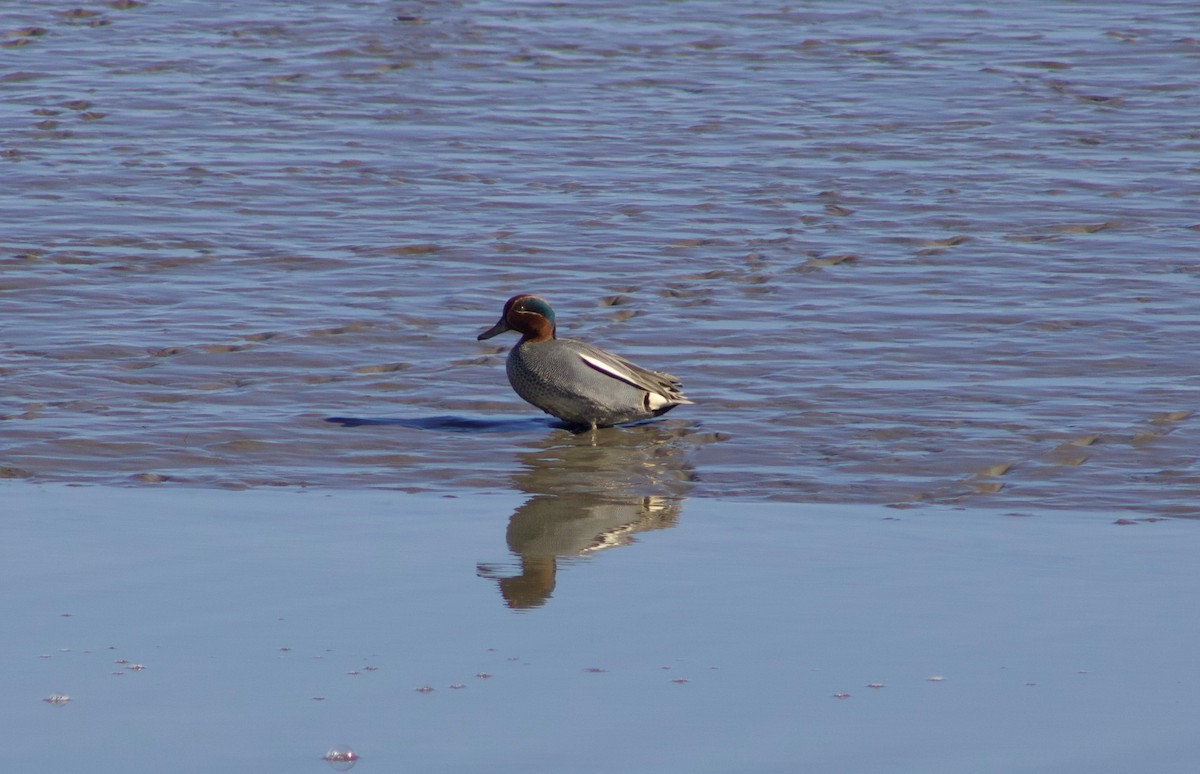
897 253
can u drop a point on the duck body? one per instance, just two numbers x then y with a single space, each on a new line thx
575 381
581 384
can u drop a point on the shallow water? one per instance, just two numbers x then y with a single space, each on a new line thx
255 630
897 254
918 255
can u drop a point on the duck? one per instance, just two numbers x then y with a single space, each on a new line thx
577 382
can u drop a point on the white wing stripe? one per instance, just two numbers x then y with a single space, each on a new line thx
609 369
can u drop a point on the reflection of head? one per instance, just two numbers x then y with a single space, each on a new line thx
532 587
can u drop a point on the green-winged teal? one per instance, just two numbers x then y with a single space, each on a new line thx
573 380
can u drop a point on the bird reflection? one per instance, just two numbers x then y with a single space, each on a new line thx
590 492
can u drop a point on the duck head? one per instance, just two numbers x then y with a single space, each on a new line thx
528 315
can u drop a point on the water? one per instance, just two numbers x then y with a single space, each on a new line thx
273 625
885 247
933 256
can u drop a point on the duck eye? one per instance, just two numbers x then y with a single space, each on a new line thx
532 306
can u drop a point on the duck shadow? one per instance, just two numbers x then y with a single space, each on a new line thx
588 491
453 423
446 423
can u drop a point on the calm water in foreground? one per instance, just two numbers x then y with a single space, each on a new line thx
252 631
925 268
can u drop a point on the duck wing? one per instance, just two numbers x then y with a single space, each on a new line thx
657 383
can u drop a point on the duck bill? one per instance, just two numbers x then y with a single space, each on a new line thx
495 330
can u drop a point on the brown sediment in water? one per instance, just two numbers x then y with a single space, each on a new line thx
891 265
